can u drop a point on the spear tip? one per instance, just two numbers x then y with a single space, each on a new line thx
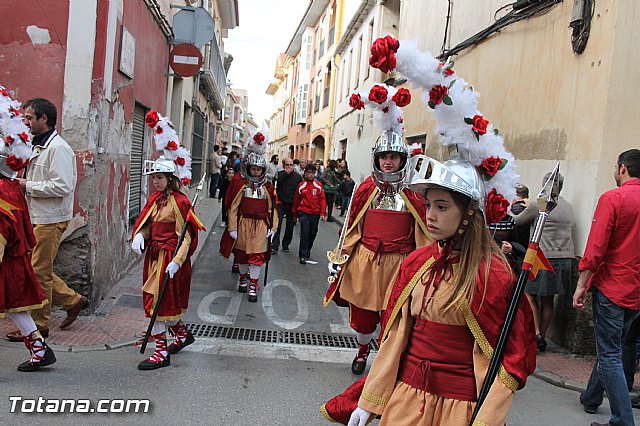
548 197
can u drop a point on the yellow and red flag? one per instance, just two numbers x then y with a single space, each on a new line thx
535 260
6 208
193 219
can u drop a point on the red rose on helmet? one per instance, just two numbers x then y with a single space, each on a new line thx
355 101
402 98
479 124
8 140
24 136
378 94
437 94
152 118
416 151
16 163
496 207
4 92
172 145
383 54
258 138
491 165
185 181
179 161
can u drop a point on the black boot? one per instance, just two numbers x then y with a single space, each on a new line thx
360 361
41 353
183 338
160 357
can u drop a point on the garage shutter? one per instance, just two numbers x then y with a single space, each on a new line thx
136 163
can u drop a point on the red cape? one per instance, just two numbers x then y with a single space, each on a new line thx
520 354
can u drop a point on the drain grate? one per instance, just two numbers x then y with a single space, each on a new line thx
277 336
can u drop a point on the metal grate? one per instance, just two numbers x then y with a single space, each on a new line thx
277 336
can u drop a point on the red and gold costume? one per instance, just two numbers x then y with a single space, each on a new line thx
251 218
377 241
432 362
161 222
20 290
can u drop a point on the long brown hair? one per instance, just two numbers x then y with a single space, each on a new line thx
478 248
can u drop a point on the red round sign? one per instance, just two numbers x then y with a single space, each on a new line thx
185 59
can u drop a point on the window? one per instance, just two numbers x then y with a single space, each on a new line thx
136 162
349 72
196 147
366 72
321 49
358 59
332 33
327 86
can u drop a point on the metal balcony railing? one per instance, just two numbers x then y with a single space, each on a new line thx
213 80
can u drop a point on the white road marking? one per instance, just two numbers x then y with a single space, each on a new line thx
301 300
229 318
345 327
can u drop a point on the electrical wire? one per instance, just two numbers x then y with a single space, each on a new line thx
512 17
446 28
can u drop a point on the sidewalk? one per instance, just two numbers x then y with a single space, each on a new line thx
118 320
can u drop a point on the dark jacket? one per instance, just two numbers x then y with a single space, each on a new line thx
346 187
287 184
223 186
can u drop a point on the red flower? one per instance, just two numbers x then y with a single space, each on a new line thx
8 140
437 94
402 98
258 138
479 124
385 110
496 207
185 181
152 118
383 54
491 165
13 111
378 94
355 101
4 92
400 120
172 145
16 163
179 161
159 130
448 72
416 151
24 136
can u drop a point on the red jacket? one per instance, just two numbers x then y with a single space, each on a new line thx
309 198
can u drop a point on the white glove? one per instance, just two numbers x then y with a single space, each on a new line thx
233 234
359 417
270 235
334 268
172 268
137 244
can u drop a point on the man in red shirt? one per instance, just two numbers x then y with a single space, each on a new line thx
309 205
610 269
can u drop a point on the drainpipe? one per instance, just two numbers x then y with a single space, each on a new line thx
329 143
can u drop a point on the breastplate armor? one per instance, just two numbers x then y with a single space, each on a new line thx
389 201
258 193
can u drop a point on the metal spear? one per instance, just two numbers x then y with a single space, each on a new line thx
165 282
547 201
269 245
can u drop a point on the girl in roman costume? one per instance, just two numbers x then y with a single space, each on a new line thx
448 303
385 223
250 214
156 232
20 290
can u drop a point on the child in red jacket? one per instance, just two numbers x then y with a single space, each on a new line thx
309 205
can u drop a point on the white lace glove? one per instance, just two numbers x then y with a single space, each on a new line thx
233 234
172 268
359 417
334 268
270 235
137 244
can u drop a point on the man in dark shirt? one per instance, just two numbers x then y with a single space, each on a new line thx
287 182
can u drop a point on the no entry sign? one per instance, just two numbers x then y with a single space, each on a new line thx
185 60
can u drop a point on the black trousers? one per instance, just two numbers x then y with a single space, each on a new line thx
308 232
284 211
331 198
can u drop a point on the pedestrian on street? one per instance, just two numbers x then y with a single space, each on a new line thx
610 269
309 206
215 166
346 189
330 181
296 167
49 188
20 291
224 185
272 168
250 216
288 182
386 223
157 231
556 243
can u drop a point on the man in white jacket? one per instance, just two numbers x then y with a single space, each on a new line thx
49 189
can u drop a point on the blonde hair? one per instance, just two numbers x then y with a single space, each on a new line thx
478 248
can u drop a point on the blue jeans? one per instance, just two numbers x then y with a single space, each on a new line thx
345 204
308 232
611 322
213 184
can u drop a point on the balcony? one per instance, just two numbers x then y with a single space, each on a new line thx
213 80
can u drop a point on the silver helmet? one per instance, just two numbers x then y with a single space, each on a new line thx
5 170
455 175
254 159
393 142
161 165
